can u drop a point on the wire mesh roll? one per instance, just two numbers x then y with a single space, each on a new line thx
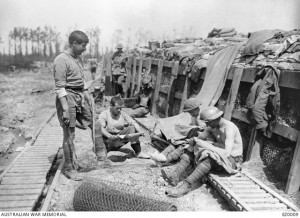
100 195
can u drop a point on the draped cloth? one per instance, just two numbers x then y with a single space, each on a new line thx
216 74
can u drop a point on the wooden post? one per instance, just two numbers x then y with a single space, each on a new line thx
157 87
139 76
128 76
184 94
293 182
255 145
133 75
103 68
237 75
173 76
108 78
149 66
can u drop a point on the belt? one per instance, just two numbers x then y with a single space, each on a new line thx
80 89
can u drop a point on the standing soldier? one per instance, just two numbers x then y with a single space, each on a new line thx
73 101
93 67
118 69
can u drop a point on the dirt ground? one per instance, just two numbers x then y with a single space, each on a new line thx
27 100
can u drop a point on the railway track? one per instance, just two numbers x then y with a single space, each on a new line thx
245 193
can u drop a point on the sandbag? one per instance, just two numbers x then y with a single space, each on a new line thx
228 34
226 30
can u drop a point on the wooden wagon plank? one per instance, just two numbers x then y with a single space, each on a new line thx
293 182
139 76
284 131
22 178
32 164
184 94
18 209
108 78
157 87
128 76
37 159
170 99
287 79
52 187
16 174
237 75
40 181
17 204
156 62
133 75
21 192
20 186
273 193
14 170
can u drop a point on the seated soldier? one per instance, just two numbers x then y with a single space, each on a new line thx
118 128
169 154
225 153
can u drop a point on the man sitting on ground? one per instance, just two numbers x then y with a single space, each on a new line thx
171 153
118 128
225 153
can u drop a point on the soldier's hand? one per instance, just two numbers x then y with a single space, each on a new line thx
87 97
112 137
66 117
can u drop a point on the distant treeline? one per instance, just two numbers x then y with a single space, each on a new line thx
26 45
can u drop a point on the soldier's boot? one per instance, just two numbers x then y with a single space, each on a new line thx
181 189
173 177
186 185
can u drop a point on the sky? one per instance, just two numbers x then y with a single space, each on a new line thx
161 17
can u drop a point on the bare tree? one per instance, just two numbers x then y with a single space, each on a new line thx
26 38
32 37
44 39
57 40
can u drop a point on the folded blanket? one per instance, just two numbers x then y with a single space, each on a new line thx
203 149
254 44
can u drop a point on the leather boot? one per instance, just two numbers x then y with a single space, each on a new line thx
170 177
181 189
72 174
137 148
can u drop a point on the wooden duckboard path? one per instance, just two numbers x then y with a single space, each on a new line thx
23 181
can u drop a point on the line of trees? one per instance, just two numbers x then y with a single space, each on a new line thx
41 42
26 45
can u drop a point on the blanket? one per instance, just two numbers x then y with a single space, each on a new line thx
254 43
216 74
204 149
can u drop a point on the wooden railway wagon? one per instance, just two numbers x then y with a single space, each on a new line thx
173 86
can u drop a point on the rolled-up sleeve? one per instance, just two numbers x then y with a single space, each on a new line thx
102 119
60 76
128 119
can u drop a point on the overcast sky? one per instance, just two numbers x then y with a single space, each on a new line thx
158 16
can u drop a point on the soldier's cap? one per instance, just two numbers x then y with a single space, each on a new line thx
191 104
119 46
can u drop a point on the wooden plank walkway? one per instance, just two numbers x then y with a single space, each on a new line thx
23 181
